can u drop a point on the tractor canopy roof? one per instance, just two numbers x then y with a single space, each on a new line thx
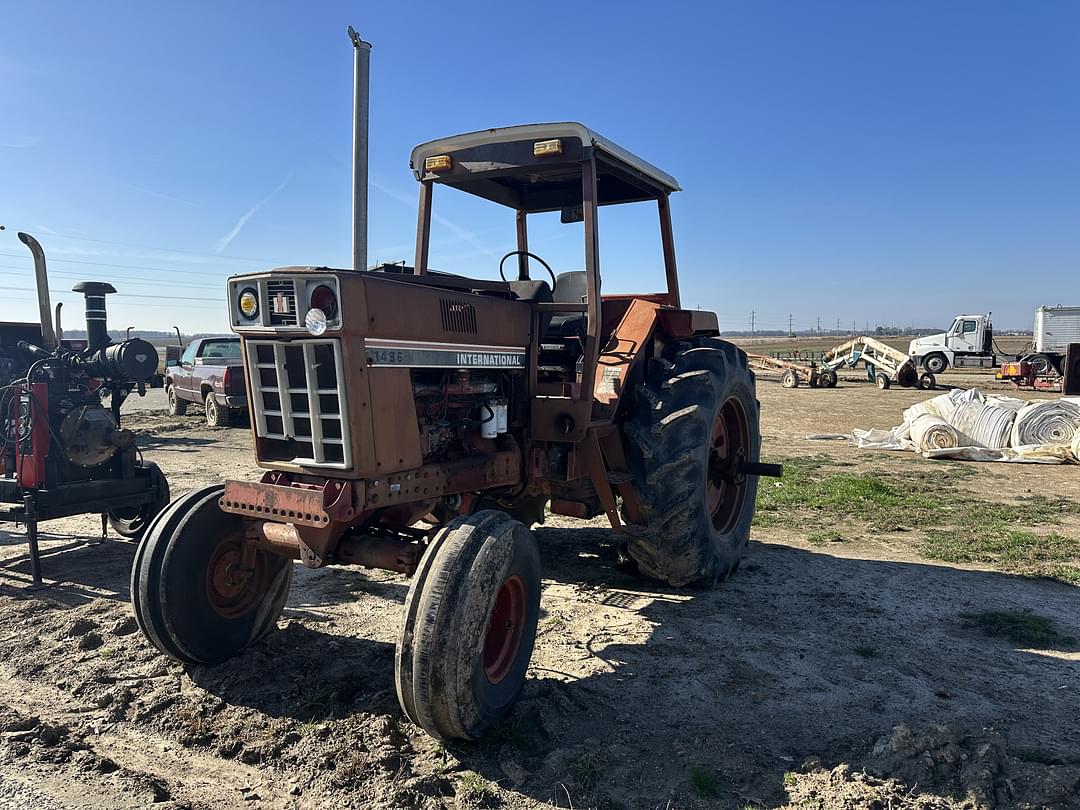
538 167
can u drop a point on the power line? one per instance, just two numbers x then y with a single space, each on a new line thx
151 247
183 271
106 277
126 295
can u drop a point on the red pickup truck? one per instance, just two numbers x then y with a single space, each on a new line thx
210 373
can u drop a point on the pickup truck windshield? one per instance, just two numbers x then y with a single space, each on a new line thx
221 349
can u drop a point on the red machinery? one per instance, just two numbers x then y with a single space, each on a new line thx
1023 374
62 450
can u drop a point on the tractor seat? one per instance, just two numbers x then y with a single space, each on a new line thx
534 292
570 288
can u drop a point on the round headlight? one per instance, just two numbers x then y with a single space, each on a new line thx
248 303
315 321
322 297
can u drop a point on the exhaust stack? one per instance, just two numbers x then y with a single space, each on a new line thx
41 275
361 80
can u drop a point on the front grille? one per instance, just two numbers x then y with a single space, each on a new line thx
458 316
281 302
298 396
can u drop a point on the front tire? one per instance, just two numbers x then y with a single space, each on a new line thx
935 363
193 595
696 417
177 406
469 627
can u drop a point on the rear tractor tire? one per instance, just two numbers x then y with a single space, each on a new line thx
133 521
195 598
469 627
695 419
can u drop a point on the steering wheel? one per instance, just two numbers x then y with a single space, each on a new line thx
531 256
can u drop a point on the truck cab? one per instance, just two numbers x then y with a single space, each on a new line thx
969 343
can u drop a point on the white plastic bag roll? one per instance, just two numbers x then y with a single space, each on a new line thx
1052 422
929 432
987 425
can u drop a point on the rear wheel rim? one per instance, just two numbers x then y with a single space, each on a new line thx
505 630
232 589
729 446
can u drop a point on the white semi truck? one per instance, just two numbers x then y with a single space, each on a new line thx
969 343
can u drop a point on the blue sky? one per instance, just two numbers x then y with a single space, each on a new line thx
875 162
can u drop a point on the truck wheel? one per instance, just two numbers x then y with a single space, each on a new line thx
790 379
935 363
194 596
695 418
827 378
881 379
132 522
177 406
216 415
469 628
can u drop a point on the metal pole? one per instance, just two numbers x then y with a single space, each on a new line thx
361 76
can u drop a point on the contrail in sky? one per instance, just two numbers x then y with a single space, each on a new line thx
223 243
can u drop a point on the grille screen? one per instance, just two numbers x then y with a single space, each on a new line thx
298 394
282 302
458 316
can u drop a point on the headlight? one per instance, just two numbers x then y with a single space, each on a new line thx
322 297
248 303
315 321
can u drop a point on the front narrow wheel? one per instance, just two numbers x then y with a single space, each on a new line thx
199 595
469 628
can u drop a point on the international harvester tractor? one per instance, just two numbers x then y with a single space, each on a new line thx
421 422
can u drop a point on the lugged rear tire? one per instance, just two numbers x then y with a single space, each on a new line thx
694 413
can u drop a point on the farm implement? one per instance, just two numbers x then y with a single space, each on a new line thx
793 374
62 449
884 364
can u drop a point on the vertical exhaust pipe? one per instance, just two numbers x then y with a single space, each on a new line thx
41 275
361 80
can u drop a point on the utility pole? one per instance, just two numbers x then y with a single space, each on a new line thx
819 324
853 327
361 81
838 327
789 325
752 314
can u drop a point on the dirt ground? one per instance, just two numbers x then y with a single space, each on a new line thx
835 675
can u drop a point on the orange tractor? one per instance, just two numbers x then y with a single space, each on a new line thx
421 422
